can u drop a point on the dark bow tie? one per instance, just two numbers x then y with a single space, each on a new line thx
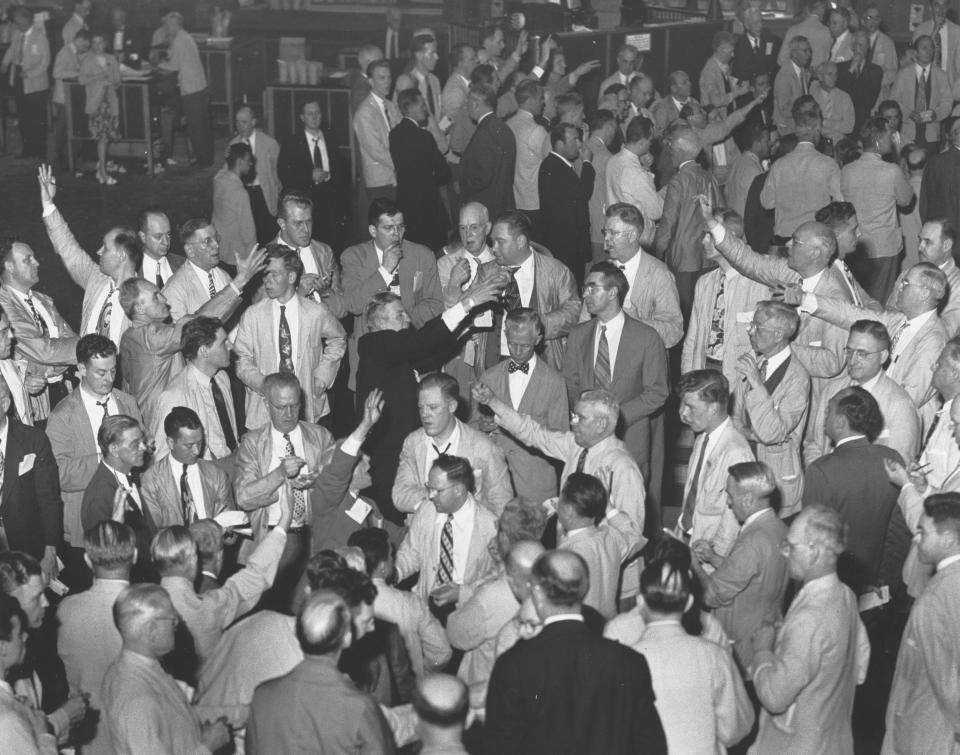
514 366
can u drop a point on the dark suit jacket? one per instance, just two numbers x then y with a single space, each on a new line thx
295 171
331 526
570 692
421 171
747 64
878 540
30 497
487 166
565 212
757 220
940 190
639 379
864 89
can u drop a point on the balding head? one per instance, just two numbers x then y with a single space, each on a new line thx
441 702
519 563
559 582
323 625
683 141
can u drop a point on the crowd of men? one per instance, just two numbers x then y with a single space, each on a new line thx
480 564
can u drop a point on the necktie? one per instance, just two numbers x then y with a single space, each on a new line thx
582 460
897 336
920 98
929 435
445 567
223 415
159 280
445 450
41 323
429 96
515 366
395 280
103 405
851 283
286 344
601 368
762 369
386 115
755 41
937 47
803 81
211 286
690 502
187 504
873 43
715 339
511 294
317 155
131 486
103 322
299 502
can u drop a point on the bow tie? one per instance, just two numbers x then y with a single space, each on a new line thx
514 366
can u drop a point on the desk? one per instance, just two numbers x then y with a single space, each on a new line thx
134 126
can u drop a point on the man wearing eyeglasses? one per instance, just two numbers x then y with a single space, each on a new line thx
200 278
868 349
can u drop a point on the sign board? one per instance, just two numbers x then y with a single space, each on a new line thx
640 41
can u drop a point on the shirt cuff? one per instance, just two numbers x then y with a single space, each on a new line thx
48 209
454 316
385 274
236 290
719 233
536 72
351 445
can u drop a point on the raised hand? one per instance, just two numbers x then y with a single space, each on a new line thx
48 184
372 407
482 394
248 267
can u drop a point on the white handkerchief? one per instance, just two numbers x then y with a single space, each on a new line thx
27 464
745 317
359 511
227 519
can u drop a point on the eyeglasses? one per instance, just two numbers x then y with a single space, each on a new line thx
437 490
860 353
592 288
753 326
471 229
208 241
614 234
904 283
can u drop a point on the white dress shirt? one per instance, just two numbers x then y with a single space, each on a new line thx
614 331
3 451
871 384
132 490
941 451
384 273
451 447
150 267
292 314
774 362
630 268
14 380
518 381
117 317
318 139
381 103
220 278
924 71
95 411
463 520
196 487
41 310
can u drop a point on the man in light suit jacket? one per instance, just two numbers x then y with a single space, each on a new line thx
44 340
772 397
489 161
232 211
704 398
27 60
72 429
420 75
264 189
448 575
629 61
442 434
919 335
667 109
947 47
747 586
812 28
30 508
157 265
200 278
624 356
301 462
718 86
182 487
13 374
792 81
288 333
119 259
371 124
923 111
542 284
388 263
868 349
531 387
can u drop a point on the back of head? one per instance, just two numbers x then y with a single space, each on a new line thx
375 545
861 410
823 526
208 536
585 495
323 624
136 606
173 551
352 586
755 476
944 510
639 129
521 520
561 578
666 586
110 546
441 702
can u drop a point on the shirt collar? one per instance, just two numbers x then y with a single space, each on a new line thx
774 362
872 382
296 435
464 513
809 284
921 69
797 69
486 255
310 137
563 617
921 319
848 439
944 563
565 160
753 517
453 441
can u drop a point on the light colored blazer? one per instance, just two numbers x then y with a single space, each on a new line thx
787 87
901 423
232 216
558 304
842 116
712 90
776 423
267 151
904 91
493 481
713 520
75 449
82 269
809 678
411 81
817 34
951 55
885 56
420 289
741 295
66 65
35 61
664 112
321 345
598 200
949 310
161 492
420 551
191 389
533 145
326 263
604 549
545 400
373 139
186 293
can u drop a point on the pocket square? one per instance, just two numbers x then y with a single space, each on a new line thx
26 463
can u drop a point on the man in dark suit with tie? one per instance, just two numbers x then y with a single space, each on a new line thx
565 197
489 160
114 492
622 355
309 163
861 79
568 691
158 265
30 509
940 189
755 51
421 171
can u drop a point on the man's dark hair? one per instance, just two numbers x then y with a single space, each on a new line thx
710 385
94 346
236 152
375 544
457 469
528 89
190 227
586 495
127 239
382 63
10 609
484 94
944 510
180 418
143 217
517 223
558 132
861 410
354 587
836 214
16 569
379 207
872 328
407 100
290 258
201 331
612 276
600 119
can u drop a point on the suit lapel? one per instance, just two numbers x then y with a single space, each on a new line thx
13 454
587 355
